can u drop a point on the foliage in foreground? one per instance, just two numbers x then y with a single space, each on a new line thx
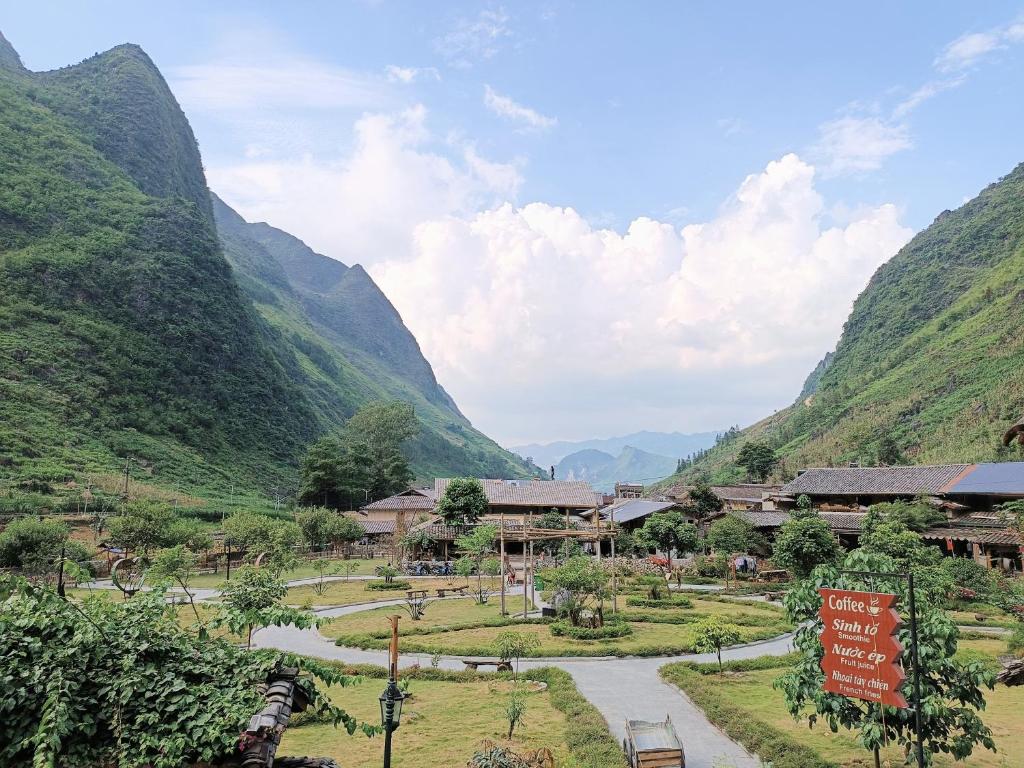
122 684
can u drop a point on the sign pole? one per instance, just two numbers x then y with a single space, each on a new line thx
917 671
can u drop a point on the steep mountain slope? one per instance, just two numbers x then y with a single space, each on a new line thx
353 344
929 366
124 331
602 470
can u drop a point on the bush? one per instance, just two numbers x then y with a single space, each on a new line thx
668 602
388 585
711 567
969 575
655 586
609 630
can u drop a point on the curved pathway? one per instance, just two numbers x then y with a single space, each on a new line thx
618 687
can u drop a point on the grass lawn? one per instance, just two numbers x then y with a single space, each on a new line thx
304 571
752 693
649 638
442 724
356 591
437 613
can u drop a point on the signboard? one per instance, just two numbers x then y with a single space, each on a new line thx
862 656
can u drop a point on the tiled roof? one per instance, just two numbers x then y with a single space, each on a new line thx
762 519
845 521
376 527
749 492
575 494
1001 536
414 498
854 481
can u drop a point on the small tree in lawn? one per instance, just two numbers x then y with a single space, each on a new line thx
582 582
477 545
176 565
951 689
348 567
513 646
253 600
324 568
463 501
668 532
515 711
711 634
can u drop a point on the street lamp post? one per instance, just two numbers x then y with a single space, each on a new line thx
392 698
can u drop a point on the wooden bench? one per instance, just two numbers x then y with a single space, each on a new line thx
417 594
501 666
461 591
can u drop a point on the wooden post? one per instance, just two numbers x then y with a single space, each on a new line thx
615 567
597 515
526 567
394 647
502 547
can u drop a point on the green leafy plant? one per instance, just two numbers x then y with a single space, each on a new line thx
476 546
253 599
712 633
512 646
463 501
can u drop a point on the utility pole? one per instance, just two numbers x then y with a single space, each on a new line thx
127 464
615 568
503 574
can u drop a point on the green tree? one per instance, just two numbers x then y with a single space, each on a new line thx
254 600
888 452
917 515
34 546
477 545
259 534
463 501
144 526
581 583
668 531
78 693
758 458
176 565
512 646
189 533
804 542
711 634
418 542
702 501
383 427
731 534
336 475
319 525
951 689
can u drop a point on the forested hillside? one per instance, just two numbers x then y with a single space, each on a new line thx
124 330
930 366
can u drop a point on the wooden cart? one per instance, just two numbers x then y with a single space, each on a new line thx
653 745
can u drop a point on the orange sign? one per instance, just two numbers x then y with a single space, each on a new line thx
862 656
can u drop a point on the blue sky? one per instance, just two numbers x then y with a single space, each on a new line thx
595 218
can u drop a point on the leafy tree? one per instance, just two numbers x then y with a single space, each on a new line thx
144 526
349 567
889 452
712 633
34 546
261 534
322 527
702 501
121 684
189 533
758 458
335 474
917 515
804 542
668 531
513 646
477 545
324 568
731 534
581 582
418 542
951 689
515 711
176 565
383 427
463 502
254 600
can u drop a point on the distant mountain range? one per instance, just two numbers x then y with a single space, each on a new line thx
602 470
676 445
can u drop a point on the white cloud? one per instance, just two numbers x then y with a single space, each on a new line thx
534 319
858 144
474 39
927 91
731 126
509 109
364 206
409 75
967 50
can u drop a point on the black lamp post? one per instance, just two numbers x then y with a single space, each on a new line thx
390 715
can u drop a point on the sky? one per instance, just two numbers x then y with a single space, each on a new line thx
595 218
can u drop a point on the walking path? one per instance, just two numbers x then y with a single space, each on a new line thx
620 688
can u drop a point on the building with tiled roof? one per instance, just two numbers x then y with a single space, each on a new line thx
538 495
736 496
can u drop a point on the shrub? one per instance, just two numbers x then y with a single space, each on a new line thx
388 585
668 602
969 576
609 630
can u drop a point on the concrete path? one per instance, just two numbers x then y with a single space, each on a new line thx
618 687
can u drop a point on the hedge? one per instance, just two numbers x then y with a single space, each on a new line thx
381 586
771 744
671 602
609 630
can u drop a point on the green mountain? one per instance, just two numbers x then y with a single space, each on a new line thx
602 470
136 322
929 365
